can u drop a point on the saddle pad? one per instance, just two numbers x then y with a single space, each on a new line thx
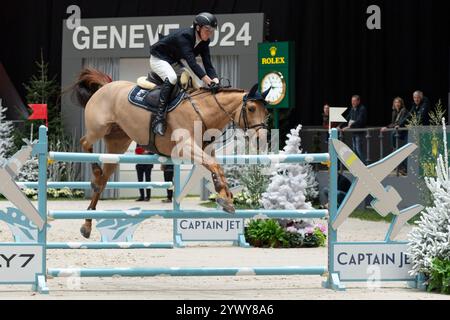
137 95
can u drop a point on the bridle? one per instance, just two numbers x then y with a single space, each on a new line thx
242 115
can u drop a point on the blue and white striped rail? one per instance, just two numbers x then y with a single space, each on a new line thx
88 185
185 214
156 159
184 272
109 245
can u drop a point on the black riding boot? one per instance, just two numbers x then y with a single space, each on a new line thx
159 121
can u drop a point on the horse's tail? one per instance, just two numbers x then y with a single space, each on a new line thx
89 81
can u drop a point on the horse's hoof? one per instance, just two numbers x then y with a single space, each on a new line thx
85 231
226 205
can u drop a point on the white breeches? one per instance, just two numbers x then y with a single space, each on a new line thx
165 70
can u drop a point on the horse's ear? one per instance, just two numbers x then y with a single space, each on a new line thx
253 90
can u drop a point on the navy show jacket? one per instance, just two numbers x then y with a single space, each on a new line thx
180 45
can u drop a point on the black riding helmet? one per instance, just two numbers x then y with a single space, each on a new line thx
205 19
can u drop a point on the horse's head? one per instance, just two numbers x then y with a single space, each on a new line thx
254 113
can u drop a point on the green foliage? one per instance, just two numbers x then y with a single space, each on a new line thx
370 214
295 239
266 233
255 182
413 123
440 276
269 233
245 200
315 239
437 114
41 89
52 193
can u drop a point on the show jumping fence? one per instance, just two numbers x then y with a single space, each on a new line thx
334 276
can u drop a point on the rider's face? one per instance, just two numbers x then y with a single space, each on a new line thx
206 32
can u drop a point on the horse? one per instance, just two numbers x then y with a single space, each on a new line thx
111 117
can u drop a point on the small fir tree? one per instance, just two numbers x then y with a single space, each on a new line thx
6 141
291 183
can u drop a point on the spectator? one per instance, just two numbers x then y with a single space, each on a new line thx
326 117
357 118
143 170
421 107
398 120
168 176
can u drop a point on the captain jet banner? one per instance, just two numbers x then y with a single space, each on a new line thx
128 37
210 229
362 261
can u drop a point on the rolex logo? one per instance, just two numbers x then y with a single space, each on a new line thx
273 51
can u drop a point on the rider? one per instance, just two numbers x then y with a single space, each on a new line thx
185 44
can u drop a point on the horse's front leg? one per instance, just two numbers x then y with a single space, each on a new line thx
225 199
198 156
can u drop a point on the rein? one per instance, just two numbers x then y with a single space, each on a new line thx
242 115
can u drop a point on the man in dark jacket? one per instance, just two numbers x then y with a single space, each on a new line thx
356 119
184 45
421 108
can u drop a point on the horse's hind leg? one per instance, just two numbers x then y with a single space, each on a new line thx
87 143
116 142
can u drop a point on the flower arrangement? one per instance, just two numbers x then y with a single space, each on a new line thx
52 193
275 233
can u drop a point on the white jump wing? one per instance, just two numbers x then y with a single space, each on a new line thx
18 160
355 195
399 221
13 193
383 167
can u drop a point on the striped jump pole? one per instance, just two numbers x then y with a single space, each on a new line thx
156 159
88 185
185 214
186 272
109 245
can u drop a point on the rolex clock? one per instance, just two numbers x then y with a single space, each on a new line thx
276 71
274 81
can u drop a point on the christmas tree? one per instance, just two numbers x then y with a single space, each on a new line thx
6 141
431 238
41 89
291 183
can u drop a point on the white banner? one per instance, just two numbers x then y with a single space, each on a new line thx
20 263
365 261
336 115
210 229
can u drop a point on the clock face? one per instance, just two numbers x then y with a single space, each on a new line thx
278 91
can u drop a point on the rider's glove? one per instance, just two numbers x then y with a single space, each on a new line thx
214 87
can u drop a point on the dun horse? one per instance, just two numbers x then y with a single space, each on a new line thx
109 115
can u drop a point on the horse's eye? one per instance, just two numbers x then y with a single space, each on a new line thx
251 109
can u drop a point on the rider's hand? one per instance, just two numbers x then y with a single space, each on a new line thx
206 80
216 80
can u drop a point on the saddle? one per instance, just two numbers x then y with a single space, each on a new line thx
146 94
